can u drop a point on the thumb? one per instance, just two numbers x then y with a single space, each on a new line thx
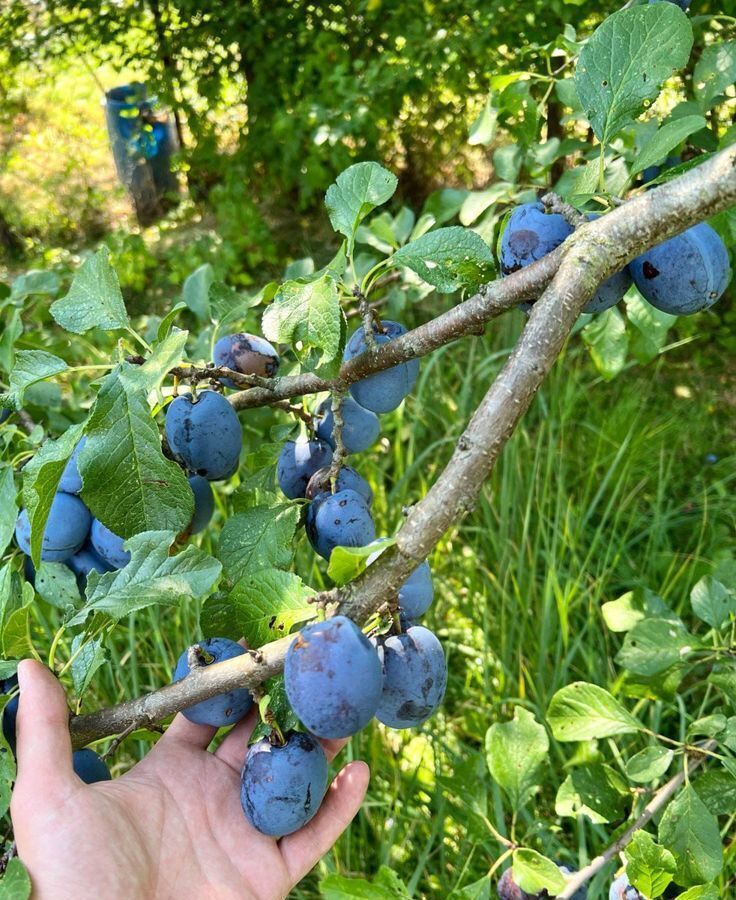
44 747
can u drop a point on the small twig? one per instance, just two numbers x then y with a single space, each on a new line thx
121 737
295 410
554 203
338 423
7 856
368 317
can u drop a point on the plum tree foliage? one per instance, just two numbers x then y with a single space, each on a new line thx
109 506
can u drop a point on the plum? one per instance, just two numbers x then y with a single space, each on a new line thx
342 519
4 414
333 678
222 709
88 560
246 353
204 503
282 786
385 390
611 291
298 461
66 529
622 889
360 428
686 274
204 434
417 592
10 712
530 234
347 480
109 546
89 766
414 677
71 480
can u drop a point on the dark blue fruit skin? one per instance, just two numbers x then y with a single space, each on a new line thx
333 678
108 545
385 390
204 503
622 889
360 429
529 235
246 353
686 274
224 709
205 436
342 519
281 788
10 713
87 560
66 529
347 480
417 592
298 461
414 677
4 414
611 291
71 480
89 766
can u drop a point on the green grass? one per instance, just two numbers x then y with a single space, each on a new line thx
602 489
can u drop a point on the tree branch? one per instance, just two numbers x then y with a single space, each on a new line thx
592 254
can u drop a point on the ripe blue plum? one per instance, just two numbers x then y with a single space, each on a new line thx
10 712
385 390
87 560
66 529
360 429
414 677
223 709
204 503
298 461
417 592
281 787
622 889
246 353
89 766
333 678
347 480
205 435
530 234
71 480
342 519
108 545
686 274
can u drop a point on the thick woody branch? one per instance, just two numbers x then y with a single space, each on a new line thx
592 254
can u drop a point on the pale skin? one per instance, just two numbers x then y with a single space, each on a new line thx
170 827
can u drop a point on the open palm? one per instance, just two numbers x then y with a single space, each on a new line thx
170 827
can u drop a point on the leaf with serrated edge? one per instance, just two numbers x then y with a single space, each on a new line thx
30 367
151 578
514 752
165 355
266 605
713 602
607 340
356 192
15 883
346 563
584 712
667 138
261 537
57 584
595 791
87 657
649 866
449 259
94 299
127 481
535 873
691 832
649 764
654 645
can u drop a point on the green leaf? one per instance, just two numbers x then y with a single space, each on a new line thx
712 602
690 831
717 789
346 563
595 791
648 764
16 636
127 481
478 890
11 331
649 866
15 883
94 299
535 873
483 129
654 645
196 291
584 712
701 892
279 708
306 313
266 605
8 508
227 305
623 613
625 61
514 752
356 192
151 578
608 341
7 765
57 585
386 886
651 326
34 281
166 354
30 367
665 139
261 537
449 259
477 202
87 657
41 476
714 72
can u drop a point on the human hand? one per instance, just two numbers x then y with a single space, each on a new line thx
171 827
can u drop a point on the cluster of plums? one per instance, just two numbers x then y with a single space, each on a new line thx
681 276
